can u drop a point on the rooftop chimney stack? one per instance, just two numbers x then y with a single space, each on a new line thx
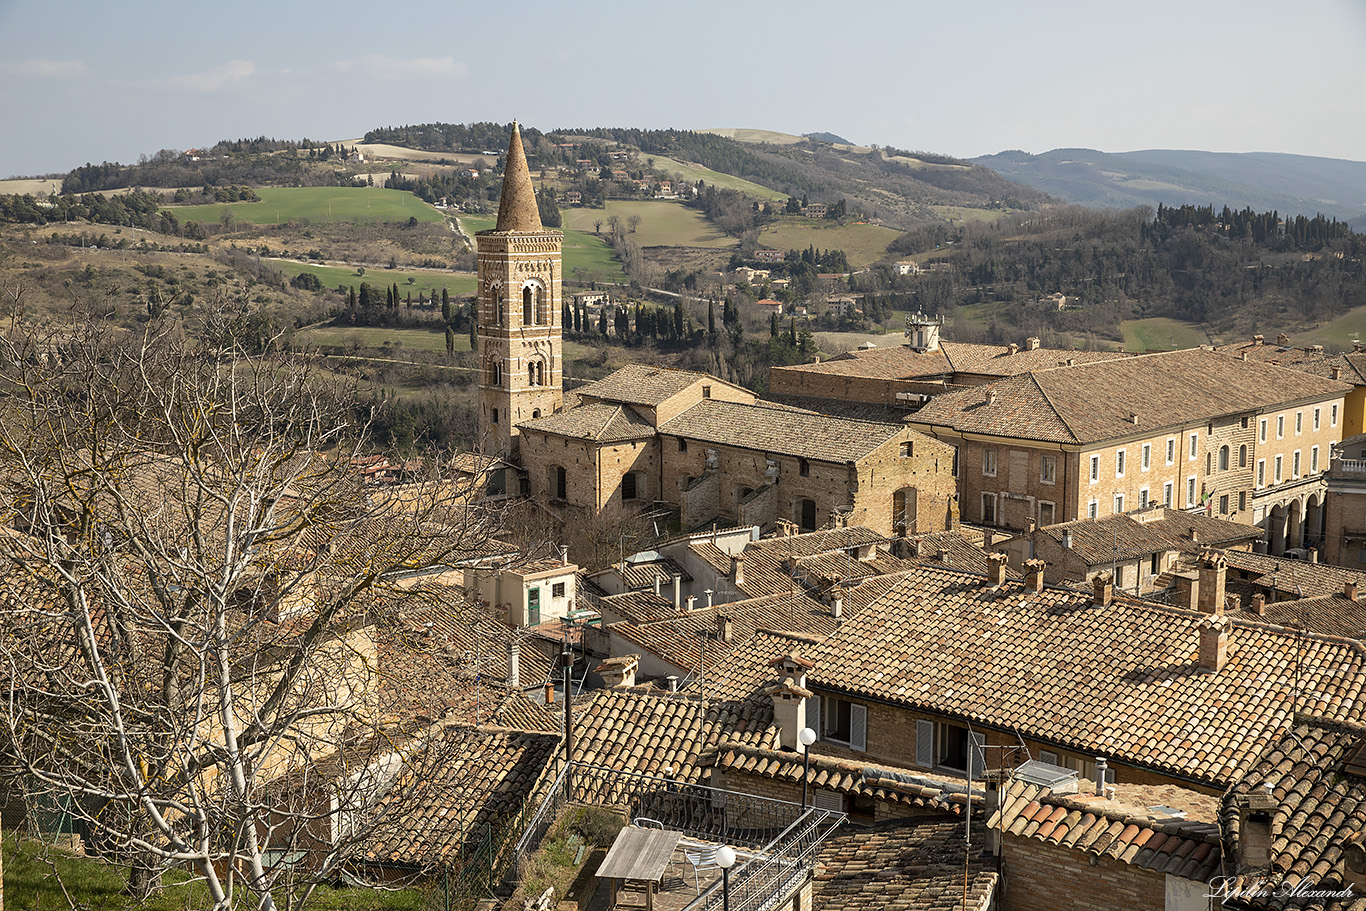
514 664
1067 539
678 591
1258 340
1102 590
837 601
1283 340
1034 574
1349 591
658 579
1313 555
1101 768
1256 809
996 568
619 671
737 569
710 595
1336 371
692 603
564 553
1258 605
1011 349
725 628
789 711
1213 572
1215 632
1032 343
673 682
991 396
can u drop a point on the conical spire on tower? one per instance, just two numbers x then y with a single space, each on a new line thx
517 210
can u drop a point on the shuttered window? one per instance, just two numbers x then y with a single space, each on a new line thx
924 744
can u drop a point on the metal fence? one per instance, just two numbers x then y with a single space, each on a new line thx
697 810
778 870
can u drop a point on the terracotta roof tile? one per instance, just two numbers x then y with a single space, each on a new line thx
1120 681
602 422
780 429
643 384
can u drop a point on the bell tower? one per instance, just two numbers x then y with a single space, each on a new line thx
519 324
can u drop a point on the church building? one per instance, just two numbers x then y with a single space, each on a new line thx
648 436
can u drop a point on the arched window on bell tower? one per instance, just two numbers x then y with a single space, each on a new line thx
528 307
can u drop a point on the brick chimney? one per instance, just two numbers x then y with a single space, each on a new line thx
1102 590
1215 633
1011 349
1349 591
737 569
725 628
1193 535
1034 574
619 671
996 569
1032 343
1213 571
1256 809
1283 340
991 396
1258 340
1257 605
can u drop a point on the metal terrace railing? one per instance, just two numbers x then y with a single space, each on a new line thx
770 877
696 810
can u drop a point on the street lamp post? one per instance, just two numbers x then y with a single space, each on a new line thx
725 859
806 737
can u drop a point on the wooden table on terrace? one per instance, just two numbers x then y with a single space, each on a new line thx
638 856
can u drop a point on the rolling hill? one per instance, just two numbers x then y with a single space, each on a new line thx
1290 184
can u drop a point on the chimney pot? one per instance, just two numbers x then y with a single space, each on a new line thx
514 664
1337 371
564 553
673 682
1213 571
725 628
1214 641
678 591
1257 340
1011 349
710 594
1032 343
996 568
550 692
1102 590
1193 534
1258 604
737 569
991 396
1313 555
658 579
1101 768
1034 570
692 603
1283 340
1067 539
1349 591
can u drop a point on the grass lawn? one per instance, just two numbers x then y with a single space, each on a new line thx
960 215
377 336
662 223
456 283
321 204
30 883
862 243
1337 333
840 342
695 172
1161 333
586 256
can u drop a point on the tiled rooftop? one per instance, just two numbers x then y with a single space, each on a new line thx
1121 681
766 559
903 866
642 384
1319 805
952 550
632 730
1293 578
1125 829
1098 541
485 780
747 669
1091 403
780 429
846 776
602 422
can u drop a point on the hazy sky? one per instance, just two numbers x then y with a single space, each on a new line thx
94 81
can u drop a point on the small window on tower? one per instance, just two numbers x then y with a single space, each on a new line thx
706 392
495 415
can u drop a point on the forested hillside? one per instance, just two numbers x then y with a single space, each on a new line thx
1229 270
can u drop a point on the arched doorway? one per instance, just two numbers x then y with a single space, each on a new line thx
1275 530
1313 522
1294 524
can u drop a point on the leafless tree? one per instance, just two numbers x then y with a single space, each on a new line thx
192 569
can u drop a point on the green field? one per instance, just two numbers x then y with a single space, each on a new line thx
960 215
586 256
862 243
1338 333
1161 333
320 204
456 283
662 223
377 336
695 172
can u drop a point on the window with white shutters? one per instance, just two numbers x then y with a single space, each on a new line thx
858 727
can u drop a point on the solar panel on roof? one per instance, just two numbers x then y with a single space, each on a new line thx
1044 774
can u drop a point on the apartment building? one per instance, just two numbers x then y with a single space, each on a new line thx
1243 441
